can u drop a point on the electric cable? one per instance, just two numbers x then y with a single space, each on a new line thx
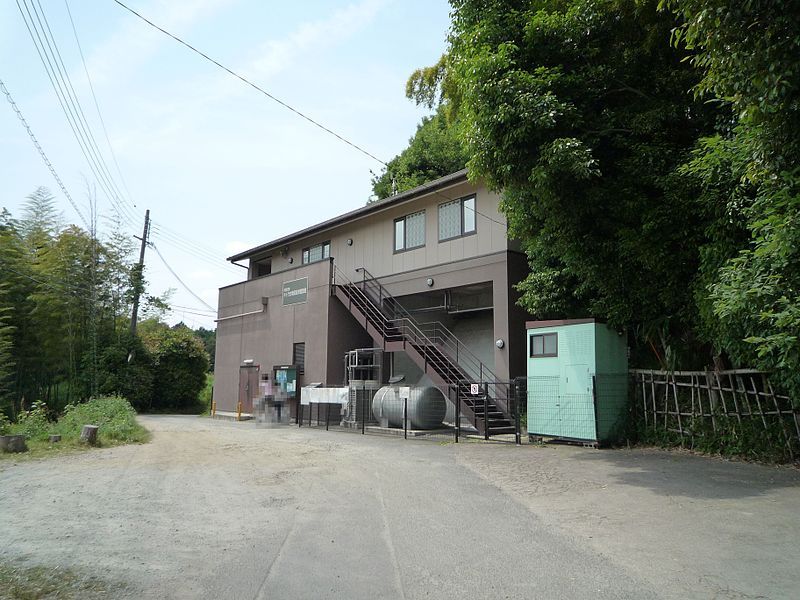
216 261
73 98
42 153
253 85
174 274
97 105
59 86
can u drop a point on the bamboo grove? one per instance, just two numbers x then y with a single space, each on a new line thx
65 303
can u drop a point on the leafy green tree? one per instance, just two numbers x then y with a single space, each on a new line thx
127 369
578 111
748 54
435 150
180 363
209 339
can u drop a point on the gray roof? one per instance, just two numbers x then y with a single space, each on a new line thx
431 186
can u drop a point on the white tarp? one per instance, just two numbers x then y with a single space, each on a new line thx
321 395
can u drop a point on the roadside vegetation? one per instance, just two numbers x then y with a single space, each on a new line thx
20 582
115 417
206 394
647 155
65 305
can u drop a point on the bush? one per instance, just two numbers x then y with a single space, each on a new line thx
113 414
5 424
33 424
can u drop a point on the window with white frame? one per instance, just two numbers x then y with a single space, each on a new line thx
457 218
316 253
409 232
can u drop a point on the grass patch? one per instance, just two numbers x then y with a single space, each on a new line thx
114 415
56 583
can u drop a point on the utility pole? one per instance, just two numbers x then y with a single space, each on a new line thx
138 274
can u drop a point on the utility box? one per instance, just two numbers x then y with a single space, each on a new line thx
577 380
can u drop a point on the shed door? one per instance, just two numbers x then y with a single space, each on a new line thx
576 411
248 386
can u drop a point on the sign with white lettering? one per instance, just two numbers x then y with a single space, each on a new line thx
295 291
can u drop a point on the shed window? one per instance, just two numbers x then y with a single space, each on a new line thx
544 344
457 218
316 253
409 232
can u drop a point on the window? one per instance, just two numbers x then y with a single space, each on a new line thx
409 232
316 253
544 344
457 218
299 357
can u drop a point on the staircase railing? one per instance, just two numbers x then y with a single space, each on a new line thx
434 332
391 329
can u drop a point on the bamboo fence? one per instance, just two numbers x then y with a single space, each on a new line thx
691 402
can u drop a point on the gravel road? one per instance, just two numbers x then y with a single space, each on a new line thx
216 509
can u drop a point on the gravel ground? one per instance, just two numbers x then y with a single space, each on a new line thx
214 509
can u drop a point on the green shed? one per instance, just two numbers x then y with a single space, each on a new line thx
577 380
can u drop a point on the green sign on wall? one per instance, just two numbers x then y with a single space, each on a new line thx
295 291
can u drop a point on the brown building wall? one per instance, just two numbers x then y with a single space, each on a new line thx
328 329
268 336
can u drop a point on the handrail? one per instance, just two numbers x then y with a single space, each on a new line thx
466 366
457 349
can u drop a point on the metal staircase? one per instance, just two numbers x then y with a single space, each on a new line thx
433 347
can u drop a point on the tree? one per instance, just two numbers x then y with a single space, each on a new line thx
209 339
578 111
180 363
127 370
435 150
748 55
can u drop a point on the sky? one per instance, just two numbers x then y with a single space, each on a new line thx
221 167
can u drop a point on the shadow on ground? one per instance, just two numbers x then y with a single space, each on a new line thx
673 473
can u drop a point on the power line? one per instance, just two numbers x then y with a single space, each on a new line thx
281 102
186 287
42 152
216 261
166 234
71 106
62 69
61 88
253 85
194 308
97 104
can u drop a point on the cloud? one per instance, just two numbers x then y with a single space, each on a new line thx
277 55
136 41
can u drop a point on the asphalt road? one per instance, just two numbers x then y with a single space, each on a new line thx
213 509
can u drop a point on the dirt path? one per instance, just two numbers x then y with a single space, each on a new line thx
215 509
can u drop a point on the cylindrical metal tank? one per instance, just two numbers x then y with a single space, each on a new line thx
426 407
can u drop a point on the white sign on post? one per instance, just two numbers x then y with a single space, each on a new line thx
474 389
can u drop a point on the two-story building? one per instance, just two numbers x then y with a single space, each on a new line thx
437 253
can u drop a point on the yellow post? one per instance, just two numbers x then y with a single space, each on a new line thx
239 411
213 407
